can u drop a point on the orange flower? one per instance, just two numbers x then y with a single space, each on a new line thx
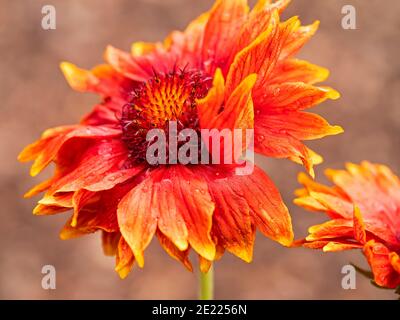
231 68
364 207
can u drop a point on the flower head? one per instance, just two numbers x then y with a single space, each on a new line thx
364 207
231 68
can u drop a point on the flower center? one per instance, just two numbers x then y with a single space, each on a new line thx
164 98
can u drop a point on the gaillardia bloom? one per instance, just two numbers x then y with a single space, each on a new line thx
364 207
231 68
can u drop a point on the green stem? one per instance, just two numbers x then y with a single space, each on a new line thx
207 284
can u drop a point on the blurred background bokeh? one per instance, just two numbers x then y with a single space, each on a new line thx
365 68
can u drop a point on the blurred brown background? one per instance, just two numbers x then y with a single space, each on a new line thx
365 68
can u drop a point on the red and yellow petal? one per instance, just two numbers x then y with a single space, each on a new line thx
295 70
333 246
95 211
171 220
292 123
232 222
291 96
267 210
137 218
334 205
209 107
102 79
79 79
297 38
124 63
43 186
124 259
197 208
100 168
139 211
226 18
312 186
338 228
46 149
257 22
104 114
276 144
179 255
187 45
378 256
264 49
395 261
359 227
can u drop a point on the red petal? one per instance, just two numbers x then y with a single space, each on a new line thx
188 44
105 114
96 210
195 205
225 20
45 150
100 168
124 63
264 49
378 258
257 22
260 196
232 222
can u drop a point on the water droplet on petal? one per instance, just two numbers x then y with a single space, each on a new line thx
276 91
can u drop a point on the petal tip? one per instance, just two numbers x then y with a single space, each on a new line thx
336 130
286 241
76 77
333 94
